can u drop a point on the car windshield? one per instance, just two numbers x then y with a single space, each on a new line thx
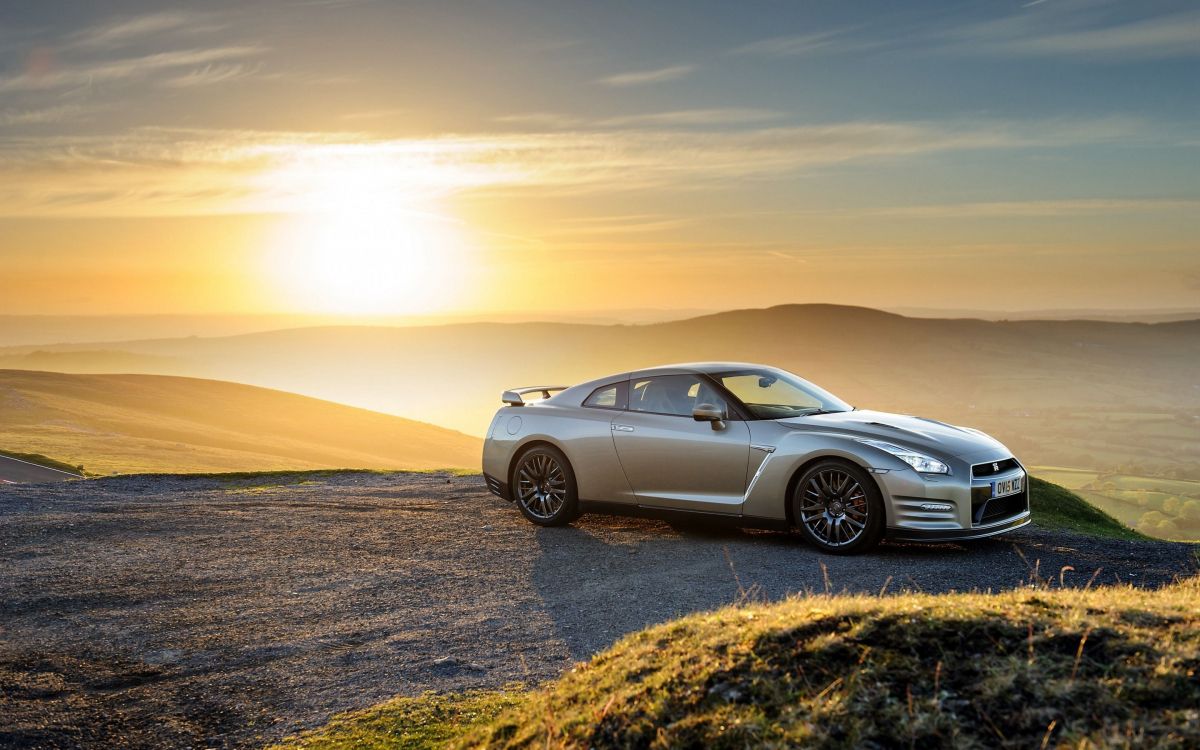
773 394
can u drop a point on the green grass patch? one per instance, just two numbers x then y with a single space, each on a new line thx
431 720
40 460
1055 507
1105 667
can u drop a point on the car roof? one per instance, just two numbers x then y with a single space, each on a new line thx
697 367
580 391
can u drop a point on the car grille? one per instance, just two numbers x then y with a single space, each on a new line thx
987 510
992 468
1003 507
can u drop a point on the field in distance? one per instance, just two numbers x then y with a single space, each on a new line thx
152 423
1156 506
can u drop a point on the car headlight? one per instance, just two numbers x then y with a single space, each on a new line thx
919 461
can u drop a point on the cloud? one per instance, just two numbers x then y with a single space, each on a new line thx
643 77
1033 209
44 116
48 76
801 45
1067 31
715 116
610 225
173 171
210 74
674 118
119 32
1082 29
550 120
377 114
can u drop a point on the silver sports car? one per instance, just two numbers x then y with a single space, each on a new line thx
752 444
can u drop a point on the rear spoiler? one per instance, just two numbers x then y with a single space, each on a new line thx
514 397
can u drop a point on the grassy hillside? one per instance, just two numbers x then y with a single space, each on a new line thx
1071 393
1106 667
1157 506
1055 507
137 423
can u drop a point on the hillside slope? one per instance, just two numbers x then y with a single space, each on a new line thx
135 423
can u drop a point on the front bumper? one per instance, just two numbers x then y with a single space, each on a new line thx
958 506
959 535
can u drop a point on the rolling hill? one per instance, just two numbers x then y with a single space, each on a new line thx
140 423
1074 393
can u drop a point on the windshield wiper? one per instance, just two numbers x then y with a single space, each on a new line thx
816 412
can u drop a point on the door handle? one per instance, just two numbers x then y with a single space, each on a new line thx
623 428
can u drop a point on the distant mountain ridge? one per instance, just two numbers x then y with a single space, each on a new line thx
50 330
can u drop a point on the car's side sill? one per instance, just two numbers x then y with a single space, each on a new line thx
672 514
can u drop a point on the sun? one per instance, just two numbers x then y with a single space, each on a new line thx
363 244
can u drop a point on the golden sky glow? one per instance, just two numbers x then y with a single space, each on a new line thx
168 161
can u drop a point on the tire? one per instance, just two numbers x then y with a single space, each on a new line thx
838 508
543 486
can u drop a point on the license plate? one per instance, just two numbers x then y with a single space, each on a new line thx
1007 486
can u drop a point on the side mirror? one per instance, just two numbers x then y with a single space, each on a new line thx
709 413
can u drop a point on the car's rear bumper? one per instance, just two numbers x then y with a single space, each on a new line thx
959 535
496 487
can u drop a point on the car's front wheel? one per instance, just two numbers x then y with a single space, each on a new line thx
838 508
544 487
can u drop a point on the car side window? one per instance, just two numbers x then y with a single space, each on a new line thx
614 396
675 395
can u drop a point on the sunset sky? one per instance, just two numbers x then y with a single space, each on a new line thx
408 158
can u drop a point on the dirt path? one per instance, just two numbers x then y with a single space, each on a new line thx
177 612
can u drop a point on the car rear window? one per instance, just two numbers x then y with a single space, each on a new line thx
612 396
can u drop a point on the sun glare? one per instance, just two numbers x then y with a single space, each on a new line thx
363 244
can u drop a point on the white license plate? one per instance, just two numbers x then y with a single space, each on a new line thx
1007 486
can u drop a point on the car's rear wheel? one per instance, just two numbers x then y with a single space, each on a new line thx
838 508
544 487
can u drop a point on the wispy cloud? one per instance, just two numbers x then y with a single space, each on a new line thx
53 77
644 77
45 115
683 117
801 45
673 118
548 120
1050 31
593 226
1033 209
1082 29
122 31
153 171
377 114
210 74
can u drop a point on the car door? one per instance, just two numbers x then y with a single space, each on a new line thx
670 459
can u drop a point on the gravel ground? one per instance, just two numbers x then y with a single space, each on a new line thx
193 612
